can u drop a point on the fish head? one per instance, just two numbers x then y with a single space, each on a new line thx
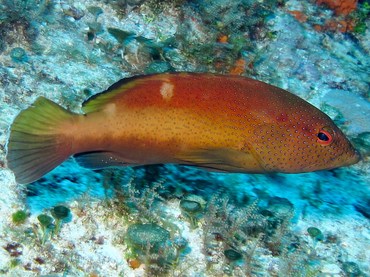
304 143
331 148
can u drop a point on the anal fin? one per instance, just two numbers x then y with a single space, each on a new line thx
100 159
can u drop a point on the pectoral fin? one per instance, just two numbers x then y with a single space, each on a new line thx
221 159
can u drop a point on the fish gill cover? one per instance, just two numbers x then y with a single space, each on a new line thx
169 220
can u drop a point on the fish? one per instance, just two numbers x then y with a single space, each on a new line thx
223 123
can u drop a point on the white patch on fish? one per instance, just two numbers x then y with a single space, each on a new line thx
110 109
166 91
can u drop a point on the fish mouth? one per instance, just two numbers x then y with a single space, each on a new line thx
355 158
348 160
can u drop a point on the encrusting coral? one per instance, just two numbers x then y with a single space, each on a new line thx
340 7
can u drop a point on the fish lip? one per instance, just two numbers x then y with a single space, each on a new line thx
355 158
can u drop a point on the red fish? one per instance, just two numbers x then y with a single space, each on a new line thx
225 123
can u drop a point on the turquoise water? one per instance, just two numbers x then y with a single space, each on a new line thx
172 220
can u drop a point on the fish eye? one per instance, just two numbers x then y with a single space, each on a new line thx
324 137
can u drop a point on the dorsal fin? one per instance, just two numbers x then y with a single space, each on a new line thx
97 101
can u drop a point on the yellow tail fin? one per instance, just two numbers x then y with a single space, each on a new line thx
36 144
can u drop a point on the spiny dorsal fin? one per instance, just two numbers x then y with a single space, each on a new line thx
97 101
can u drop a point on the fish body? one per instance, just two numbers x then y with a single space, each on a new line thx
225 123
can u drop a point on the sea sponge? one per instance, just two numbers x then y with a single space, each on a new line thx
340 7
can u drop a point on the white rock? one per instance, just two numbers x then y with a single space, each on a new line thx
331 269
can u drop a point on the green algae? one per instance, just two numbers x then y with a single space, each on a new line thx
19 217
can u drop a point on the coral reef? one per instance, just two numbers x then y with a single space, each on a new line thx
19 19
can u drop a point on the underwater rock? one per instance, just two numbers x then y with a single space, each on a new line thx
331 269
354 109
351 269
158 67
180 243
135 2
14 249
362 143
18 54
120 35
280 207
73 12
363 208
95 11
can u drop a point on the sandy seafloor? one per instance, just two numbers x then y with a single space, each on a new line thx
329 69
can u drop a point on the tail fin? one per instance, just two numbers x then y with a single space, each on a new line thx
36 144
